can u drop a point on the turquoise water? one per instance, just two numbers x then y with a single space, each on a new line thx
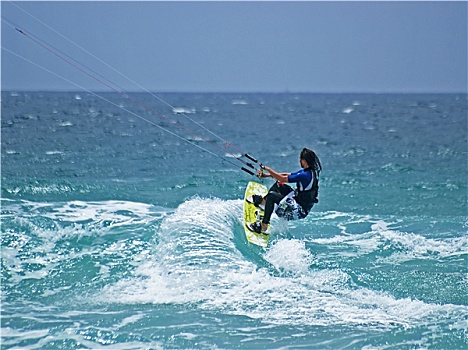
116 234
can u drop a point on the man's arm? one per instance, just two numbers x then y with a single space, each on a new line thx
281 177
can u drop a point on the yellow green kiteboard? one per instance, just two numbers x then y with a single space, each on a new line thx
253 214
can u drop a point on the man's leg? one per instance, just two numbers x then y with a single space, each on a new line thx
271 199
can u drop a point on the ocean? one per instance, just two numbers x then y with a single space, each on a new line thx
118 234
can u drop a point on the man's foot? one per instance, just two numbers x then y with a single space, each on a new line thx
258 227
257 201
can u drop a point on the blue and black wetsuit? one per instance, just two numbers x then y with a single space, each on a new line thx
292 204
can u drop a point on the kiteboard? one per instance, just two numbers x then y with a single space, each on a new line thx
253 214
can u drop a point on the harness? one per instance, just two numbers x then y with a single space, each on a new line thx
307 197
297 204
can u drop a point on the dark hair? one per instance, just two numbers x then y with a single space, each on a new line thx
312 160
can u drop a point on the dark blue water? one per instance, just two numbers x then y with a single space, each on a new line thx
117 234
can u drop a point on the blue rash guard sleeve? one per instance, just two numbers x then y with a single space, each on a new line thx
302 176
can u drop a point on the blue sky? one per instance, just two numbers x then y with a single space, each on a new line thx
241 46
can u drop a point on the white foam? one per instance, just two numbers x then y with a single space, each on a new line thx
417 246
382 236
289 255
194 247
239 101
183 110
348 110
47 226
129 320
115 212
196 262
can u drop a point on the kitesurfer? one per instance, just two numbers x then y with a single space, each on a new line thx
292 204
